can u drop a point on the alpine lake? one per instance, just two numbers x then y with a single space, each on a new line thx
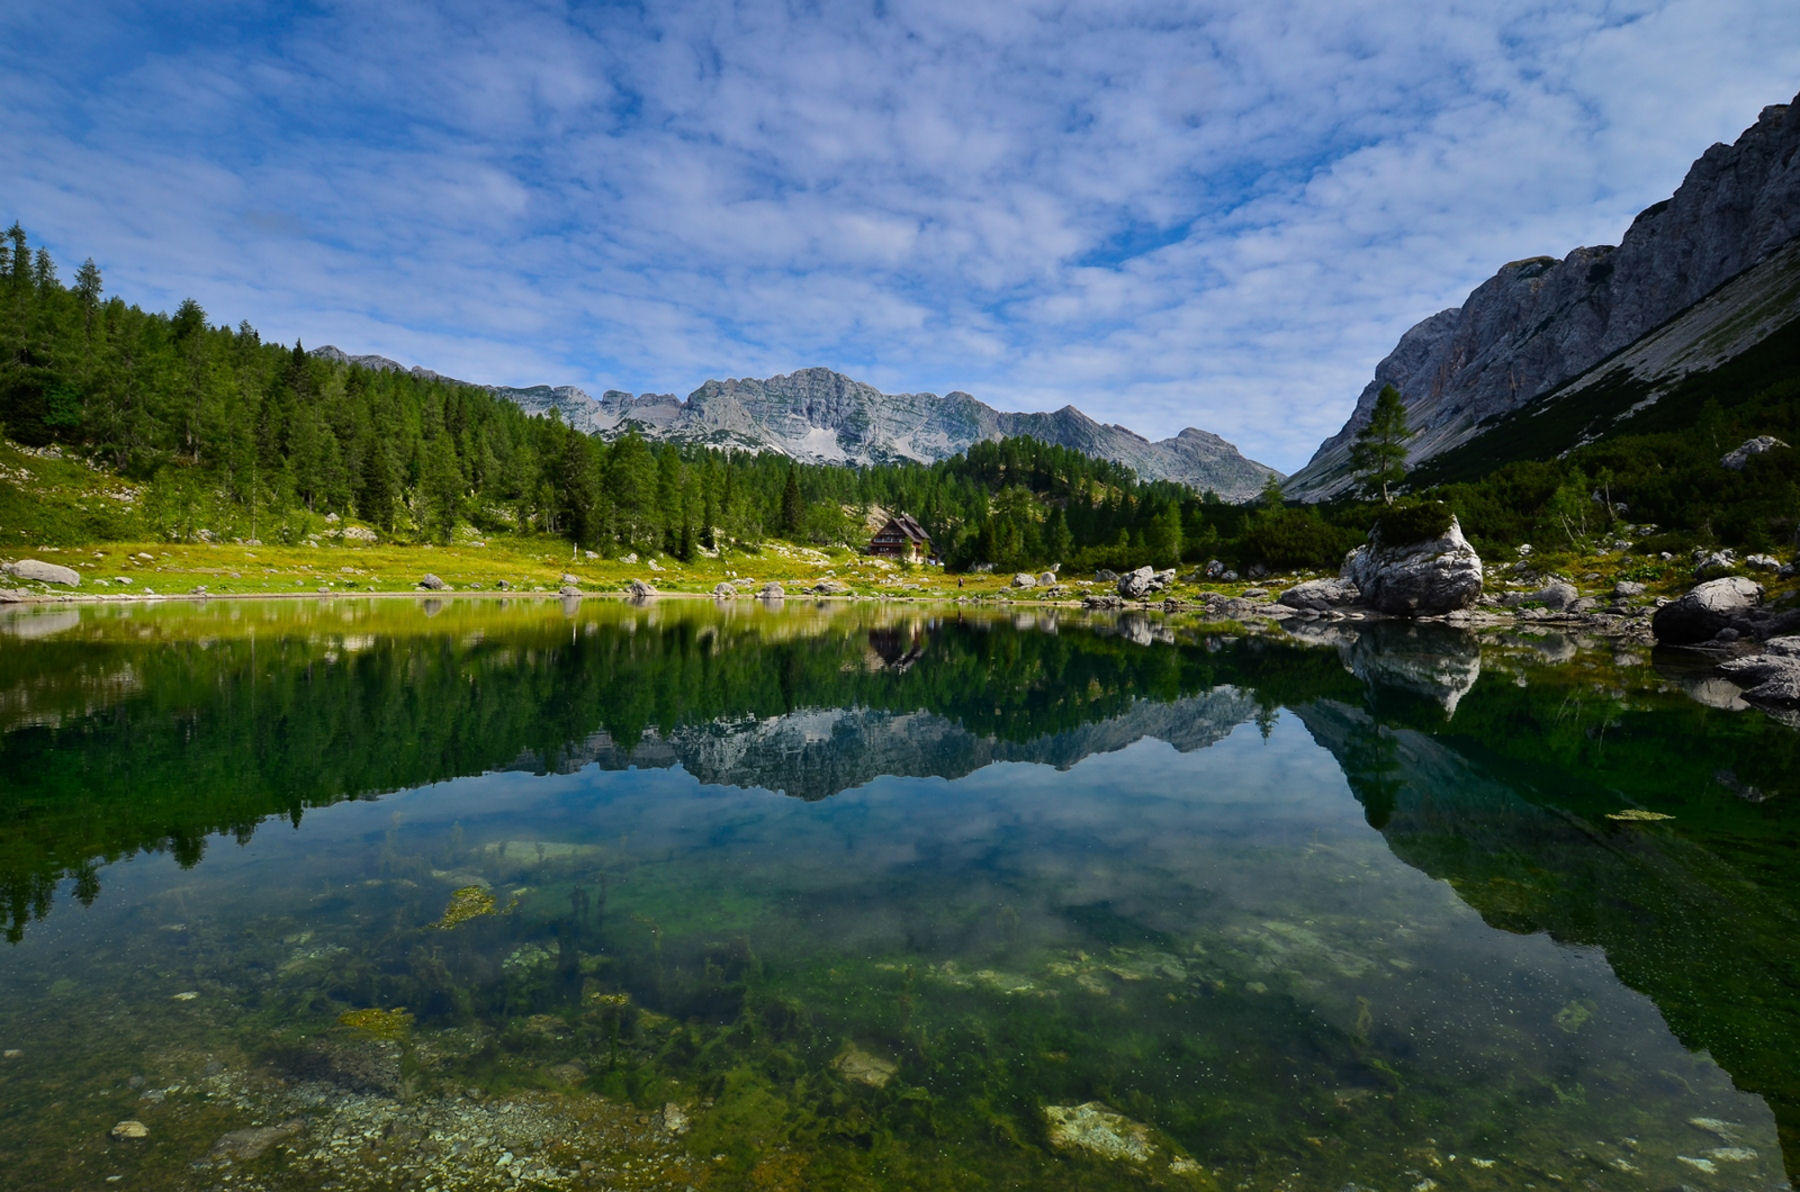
477 893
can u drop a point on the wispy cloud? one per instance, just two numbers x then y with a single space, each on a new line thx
1169 214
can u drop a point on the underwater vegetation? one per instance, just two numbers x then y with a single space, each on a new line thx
1045 908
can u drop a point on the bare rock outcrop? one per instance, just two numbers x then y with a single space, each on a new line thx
1436 575
1541 322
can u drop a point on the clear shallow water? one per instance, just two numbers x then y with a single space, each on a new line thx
853 896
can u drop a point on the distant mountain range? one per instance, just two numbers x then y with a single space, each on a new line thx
821 416
1549 353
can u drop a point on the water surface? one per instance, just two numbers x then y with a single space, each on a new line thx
478 894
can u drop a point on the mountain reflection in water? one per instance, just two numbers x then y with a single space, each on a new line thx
1492 766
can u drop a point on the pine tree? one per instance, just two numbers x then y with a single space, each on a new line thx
793 509
1058 541
87 292
442 485
1378 456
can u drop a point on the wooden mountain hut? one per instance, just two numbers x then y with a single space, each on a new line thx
902 538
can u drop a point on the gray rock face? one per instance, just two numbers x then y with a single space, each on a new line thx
1438 575
822 416
1700 615
1145 581
1738 456
1320 595
1539 323
43 573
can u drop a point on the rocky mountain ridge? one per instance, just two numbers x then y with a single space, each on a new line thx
820 416
1543 324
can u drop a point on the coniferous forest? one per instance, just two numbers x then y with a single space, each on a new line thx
238 438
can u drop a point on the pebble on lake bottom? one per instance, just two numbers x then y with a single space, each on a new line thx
130 1129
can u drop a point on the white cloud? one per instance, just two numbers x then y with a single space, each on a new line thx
1216 215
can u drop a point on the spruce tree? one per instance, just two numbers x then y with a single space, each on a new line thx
793 510
1378 456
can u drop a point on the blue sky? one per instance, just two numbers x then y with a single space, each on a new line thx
1207 214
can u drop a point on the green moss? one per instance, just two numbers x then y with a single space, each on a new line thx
382 1024
470 902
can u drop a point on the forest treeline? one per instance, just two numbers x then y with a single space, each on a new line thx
252 440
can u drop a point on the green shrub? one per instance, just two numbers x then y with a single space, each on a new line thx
1412 523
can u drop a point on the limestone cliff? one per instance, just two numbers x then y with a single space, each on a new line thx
1540 324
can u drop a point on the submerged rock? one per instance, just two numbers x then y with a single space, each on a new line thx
130 1129
245 1145
865 1068
470 902
1098 1130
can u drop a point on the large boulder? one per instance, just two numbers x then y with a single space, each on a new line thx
432 583
724 589
1706 609
1320 595
772 591
1145 581
43 573
1434 575
637 589
1023 580
1557 595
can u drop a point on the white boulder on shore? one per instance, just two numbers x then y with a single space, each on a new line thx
1438 575
43 573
